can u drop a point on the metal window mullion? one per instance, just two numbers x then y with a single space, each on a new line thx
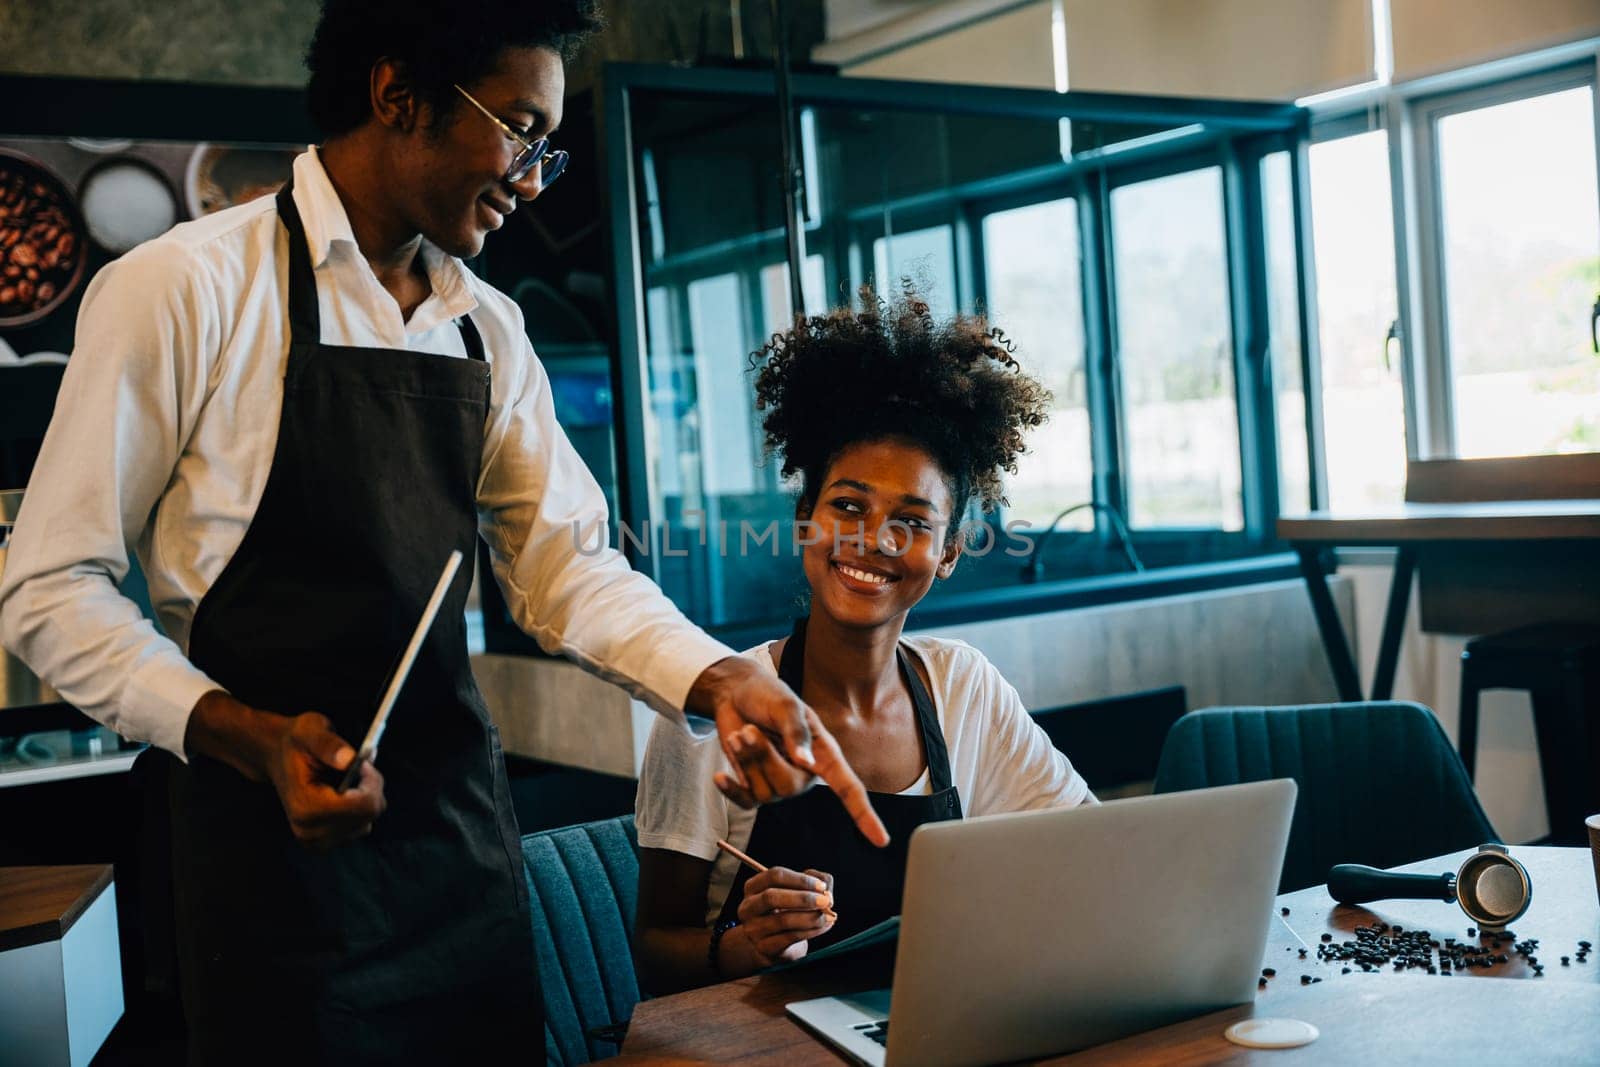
1100 361
630 375
1425 375
1594 115
967 249
1309 321
1245 251
696 582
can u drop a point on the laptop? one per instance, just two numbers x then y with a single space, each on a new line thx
1045 932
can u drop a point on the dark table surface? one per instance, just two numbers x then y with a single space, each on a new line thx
1378 1017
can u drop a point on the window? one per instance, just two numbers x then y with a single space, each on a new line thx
926 257
1035 294
728 442
775 305
1363 404
1175 352
1283 333
1519 244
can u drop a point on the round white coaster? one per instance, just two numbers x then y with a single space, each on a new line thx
1271 1033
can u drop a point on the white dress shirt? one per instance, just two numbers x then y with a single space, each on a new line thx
164 432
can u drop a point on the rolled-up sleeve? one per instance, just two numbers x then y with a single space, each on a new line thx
128 401
545 520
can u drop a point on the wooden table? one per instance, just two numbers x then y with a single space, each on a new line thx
1379 1017
1488 566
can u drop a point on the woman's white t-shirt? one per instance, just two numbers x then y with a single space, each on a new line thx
1000 760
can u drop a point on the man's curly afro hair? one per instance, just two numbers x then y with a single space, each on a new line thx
890 371
443 43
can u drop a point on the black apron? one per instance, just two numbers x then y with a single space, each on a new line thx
412 944
814 830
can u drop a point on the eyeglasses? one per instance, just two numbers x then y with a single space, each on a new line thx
530 154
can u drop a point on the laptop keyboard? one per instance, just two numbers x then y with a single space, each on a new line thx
878 1032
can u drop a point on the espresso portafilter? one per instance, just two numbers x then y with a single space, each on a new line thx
1491 887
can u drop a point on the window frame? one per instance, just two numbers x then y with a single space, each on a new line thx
1408 114
1335 128
1436 365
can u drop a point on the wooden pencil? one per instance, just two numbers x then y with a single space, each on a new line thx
759 868
741 857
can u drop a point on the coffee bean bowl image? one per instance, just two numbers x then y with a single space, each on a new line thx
43 250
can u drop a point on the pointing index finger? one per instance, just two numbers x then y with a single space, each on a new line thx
830 766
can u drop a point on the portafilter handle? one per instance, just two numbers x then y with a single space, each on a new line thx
1356 883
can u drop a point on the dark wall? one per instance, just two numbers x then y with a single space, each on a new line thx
262 42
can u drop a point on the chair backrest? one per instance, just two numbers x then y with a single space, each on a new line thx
583 887
1379 782
1457 481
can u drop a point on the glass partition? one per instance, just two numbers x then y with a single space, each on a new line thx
1119 294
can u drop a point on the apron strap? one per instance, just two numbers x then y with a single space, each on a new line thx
471 338
792 664
305 325
305 316
928 718
791 668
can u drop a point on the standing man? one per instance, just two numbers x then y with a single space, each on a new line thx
292 411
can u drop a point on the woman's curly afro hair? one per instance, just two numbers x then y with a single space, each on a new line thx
890 371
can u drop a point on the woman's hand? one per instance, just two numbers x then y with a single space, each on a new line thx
783 910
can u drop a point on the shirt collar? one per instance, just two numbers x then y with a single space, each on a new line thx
327 225
321 211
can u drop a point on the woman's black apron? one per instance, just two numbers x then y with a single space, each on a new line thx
814 830
412 944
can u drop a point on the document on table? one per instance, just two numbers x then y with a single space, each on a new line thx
881 934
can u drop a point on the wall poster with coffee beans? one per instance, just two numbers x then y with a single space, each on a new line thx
69 206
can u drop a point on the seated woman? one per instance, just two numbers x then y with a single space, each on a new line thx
893 422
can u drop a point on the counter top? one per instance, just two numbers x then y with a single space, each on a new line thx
57 755
40 904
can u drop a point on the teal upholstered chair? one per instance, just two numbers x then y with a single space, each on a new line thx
583 886
1379 782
